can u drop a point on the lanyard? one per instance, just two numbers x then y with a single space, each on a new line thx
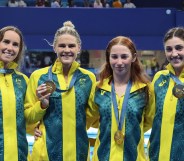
6 71
175 79
124 105
71 83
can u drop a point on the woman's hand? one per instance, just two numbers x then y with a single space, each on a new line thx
43 96
37 133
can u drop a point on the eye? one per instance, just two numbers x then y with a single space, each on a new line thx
113 56
179 47
6 41
16 44
124 56
62 45
168 49
71 45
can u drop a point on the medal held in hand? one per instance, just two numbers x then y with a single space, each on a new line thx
119 137
51 87
178 91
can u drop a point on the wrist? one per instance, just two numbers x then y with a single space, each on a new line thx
44 104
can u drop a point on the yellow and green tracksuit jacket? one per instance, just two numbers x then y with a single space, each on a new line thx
13 142
138 119
167 136
63 123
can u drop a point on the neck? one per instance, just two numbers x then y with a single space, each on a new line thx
66 69
178 72
121 80
5 65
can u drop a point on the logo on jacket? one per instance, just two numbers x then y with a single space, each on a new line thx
82 81
19 83
102 92
162 83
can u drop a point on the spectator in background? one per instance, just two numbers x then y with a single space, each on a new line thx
154 66
182 5
12 3
21 3
163 66
40 3
129 4
97 4
55 4
117 4
47 3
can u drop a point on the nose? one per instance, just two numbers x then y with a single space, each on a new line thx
119 60
174 52
67 49
10 47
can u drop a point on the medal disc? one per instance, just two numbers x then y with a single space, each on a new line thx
51 87
119 137
178 91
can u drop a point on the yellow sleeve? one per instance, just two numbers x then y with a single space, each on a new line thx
31 127
149 110
32 109
92 115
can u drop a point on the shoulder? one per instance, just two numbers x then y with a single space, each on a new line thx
23 75
161 73
37 73
87 72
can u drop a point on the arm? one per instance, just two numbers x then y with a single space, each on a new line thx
92 114
33 111
149 110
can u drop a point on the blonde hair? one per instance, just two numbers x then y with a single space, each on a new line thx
68 28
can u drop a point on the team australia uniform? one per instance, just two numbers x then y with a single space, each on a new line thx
13 142
63 123
136 122
166 140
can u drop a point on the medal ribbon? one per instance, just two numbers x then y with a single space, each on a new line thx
175 79
6 71
115 105
71 83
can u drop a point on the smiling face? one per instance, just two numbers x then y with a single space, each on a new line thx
9 46
174 51
67 49
121 60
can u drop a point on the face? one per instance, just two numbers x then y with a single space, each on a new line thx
174 50
9 46
121 60
67 49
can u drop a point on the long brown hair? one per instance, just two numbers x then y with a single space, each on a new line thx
20 55
137 71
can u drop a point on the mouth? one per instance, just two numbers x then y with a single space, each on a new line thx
176 59
67 54
8 54
120 68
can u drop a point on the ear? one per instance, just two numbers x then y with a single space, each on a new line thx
79 49
134 57
54 50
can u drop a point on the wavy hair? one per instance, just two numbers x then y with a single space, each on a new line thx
20 55
138 73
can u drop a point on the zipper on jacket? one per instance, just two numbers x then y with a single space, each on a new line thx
6 82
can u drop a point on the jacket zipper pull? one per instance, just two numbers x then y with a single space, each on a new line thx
6 82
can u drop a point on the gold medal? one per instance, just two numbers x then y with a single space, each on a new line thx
119 137
178 91
51 87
